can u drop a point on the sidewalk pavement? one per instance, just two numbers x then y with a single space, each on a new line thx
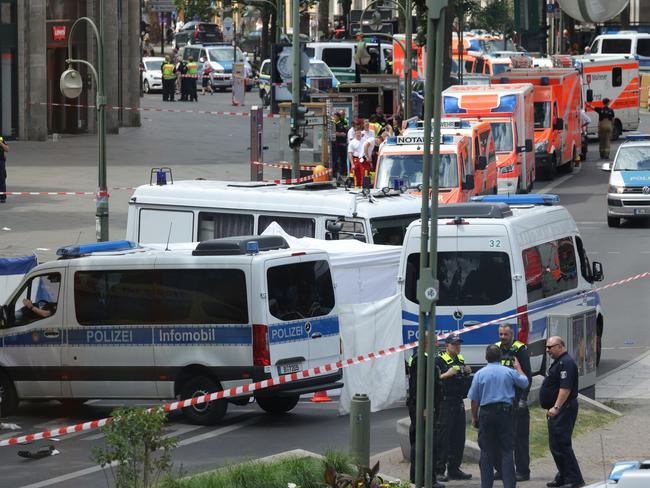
624 438
627 383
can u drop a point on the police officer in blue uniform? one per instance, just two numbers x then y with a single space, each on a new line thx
455 378
412 370
493 390
559 395
511 349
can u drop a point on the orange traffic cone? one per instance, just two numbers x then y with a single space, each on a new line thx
320 397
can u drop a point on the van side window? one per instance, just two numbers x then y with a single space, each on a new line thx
351 230
643 47
146 297
478 67
295 226
585 267
337 57
616 46
40 292
550 268
617 76
213 225
300 290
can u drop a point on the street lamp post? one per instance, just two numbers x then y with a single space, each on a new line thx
408 48
98 75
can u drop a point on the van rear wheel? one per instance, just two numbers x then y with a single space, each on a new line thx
278 405
8 396
208 413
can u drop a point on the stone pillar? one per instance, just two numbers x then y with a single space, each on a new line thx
35 65
111 64
131 61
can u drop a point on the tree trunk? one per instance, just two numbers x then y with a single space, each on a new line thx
323 19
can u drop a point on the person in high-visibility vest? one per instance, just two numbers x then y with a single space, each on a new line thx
192 73
168 80
512 349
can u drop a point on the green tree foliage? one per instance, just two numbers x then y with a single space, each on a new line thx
135 442
200 8
497 16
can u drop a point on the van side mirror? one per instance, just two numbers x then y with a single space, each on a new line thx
468 184
597 271
559 124
606 167
590 95
333 227
481 164
529 145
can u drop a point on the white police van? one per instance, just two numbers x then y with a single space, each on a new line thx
498 256
197 210
628 195
114 320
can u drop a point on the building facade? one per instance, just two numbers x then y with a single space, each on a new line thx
34 38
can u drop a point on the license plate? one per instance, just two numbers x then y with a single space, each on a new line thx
289 368
642 211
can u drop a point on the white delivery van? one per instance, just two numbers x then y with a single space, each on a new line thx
339 56
198 210
123 321
634 43
496 259
613 77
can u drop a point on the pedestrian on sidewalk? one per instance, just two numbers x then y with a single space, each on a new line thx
455 378
339 146
559 395
206 80
412 370
493 390
512 349
606 118
4 149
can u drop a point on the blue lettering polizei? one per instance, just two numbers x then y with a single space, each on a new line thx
109 336
287 332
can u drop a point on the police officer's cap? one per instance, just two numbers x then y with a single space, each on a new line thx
453 339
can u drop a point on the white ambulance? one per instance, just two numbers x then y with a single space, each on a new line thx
613 77
500 256
115 320
197 210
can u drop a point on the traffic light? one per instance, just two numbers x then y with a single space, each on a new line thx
298 113
295 139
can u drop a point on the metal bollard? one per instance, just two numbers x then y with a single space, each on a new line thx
360 429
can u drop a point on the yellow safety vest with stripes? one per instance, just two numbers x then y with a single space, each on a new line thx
192 68
507 357
168 71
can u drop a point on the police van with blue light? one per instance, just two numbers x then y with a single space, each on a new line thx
628 195
125 321
500 256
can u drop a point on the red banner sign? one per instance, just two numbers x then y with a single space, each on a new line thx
59 32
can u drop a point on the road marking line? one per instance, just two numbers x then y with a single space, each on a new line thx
557 182
613 252
185 442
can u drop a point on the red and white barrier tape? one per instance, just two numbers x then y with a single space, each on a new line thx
302 179
63 193
289 378
229 393
155 109
285 165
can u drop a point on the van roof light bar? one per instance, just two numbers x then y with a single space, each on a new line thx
239 246
637 137
77 250
460 211
532 199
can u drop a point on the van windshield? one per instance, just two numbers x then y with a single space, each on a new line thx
502 133
391 230
643 47
466 278
408 167
542 115
224 54
635 158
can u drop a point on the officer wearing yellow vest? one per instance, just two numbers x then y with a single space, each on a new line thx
511 349
168 80
456 380
192 72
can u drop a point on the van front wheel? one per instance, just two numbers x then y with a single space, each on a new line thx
278 405
208 413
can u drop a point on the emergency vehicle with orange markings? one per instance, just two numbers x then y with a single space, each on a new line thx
616 78
557 107
417 59
509 110
400 165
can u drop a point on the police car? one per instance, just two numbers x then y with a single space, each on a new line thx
628 195
115 320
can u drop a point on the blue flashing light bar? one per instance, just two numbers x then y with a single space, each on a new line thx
506 104
82 249
637 137
531 199
451 105
447 139
391 140
621 467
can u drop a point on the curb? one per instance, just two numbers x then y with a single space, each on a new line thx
630 363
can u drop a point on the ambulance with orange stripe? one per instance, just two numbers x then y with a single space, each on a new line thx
557 107
509 110
616 78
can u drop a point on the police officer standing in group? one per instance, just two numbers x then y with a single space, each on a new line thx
454 375
559 395
510 350
192 77
605 126
181 71
493 390
412 370
168 80
339 147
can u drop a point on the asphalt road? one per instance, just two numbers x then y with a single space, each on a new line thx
197 145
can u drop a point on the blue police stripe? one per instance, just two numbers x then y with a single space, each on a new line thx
33 338
301 330
635 178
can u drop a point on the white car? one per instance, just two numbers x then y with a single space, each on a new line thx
627 474
152 74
